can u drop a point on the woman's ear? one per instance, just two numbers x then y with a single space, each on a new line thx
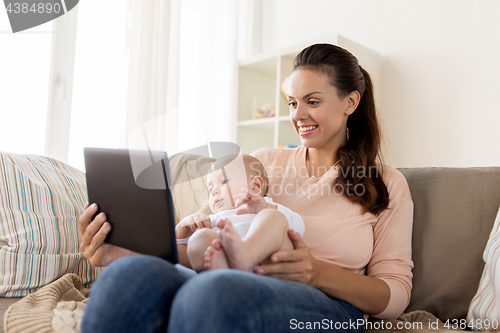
352 101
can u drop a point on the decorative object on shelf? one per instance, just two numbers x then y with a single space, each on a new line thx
287 146
284 85
265 111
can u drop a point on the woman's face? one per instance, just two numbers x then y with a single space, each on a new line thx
318 114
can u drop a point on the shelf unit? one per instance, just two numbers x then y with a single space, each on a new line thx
259 81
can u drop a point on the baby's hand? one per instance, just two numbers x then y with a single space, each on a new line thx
255 203
195 221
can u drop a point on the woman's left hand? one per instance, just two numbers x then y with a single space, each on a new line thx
295 265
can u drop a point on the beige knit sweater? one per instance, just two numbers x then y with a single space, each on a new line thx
57 307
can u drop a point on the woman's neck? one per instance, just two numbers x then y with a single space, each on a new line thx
319 161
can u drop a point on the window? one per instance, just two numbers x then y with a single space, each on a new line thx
24 87
99 83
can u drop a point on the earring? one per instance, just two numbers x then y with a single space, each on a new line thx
347 133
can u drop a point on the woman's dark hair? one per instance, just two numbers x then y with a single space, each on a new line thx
359 178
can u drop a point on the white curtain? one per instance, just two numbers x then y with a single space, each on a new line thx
156 73
153 49
182 73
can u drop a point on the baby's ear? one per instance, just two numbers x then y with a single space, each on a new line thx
257 184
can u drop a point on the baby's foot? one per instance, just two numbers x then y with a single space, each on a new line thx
215 257
237 254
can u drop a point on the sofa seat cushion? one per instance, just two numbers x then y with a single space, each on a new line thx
41 200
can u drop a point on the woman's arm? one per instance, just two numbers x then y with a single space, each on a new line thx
369 295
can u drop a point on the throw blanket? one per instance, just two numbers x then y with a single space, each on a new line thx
57 307
412 322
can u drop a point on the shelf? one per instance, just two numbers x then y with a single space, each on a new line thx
270 120
266 67
284 118
252 122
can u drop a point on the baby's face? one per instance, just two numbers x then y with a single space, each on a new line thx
223 188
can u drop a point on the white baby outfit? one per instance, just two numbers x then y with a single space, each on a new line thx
241 223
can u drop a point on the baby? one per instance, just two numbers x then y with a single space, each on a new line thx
237 238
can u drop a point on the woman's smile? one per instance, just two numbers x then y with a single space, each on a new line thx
307 130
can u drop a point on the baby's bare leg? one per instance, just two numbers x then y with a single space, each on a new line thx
197 245
267 235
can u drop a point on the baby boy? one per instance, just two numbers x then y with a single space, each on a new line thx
246 227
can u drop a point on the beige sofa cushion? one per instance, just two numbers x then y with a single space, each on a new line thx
188 174
454 213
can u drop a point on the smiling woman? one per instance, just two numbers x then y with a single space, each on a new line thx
354 259
334 108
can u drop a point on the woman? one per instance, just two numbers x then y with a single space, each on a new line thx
354 260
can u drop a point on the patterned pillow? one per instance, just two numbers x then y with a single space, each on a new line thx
40 202
484 309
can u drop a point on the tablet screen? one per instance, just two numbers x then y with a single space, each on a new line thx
132 188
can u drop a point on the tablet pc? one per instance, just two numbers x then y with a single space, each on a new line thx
132 188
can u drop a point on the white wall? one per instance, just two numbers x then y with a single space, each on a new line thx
440 70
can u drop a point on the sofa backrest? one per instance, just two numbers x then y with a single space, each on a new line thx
188 173
454 213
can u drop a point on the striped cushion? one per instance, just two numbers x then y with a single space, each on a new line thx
486 302
40 202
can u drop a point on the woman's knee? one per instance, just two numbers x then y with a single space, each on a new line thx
140 269
217 299
133 294
227 286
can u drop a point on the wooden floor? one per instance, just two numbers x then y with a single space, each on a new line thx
4 305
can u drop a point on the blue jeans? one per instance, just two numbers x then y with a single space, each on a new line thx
145 294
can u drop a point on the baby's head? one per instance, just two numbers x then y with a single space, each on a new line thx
229 174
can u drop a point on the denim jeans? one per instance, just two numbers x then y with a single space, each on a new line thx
145 294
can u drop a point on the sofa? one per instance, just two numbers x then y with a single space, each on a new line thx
455 209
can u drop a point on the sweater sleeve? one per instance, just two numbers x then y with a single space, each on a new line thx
391 260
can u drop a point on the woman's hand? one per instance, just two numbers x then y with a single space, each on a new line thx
92 235
254 203
295 265
299 265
